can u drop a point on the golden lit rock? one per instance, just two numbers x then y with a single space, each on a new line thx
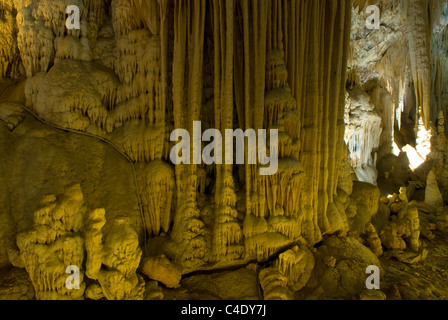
349 111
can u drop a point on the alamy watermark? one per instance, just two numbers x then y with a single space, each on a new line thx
72 281
373 281
373 21
213 152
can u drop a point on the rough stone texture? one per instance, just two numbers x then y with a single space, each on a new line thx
162 270
363 206
229 285
16 285
85 170
362 134
53 243
433 196
338 261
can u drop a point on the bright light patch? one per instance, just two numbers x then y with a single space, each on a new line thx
418 155
415 160
423 140
396 151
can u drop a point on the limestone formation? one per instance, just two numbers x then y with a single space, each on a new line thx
403 225
121 257
157 182
162 270
442 222
391 236
55 243
153 291
362 134
65 234
374 240
11 115
433 196
89 118
296 264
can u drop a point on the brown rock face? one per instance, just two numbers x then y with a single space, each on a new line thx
162 270
93 118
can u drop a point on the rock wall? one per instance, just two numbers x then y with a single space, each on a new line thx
95 109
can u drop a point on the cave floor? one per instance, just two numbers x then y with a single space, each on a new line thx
423 280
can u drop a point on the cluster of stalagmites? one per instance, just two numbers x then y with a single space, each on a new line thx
111 79
275 219
404 223
66 234
362 134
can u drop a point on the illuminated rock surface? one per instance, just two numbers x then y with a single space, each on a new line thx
86 178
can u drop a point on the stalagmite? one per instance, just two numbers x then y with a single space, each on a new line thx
121 256
296 264
157 183
374 240
90 116
188 230
433 196
83 113
54 243
363 206
9 53
94 242
274 284
410 217
163 270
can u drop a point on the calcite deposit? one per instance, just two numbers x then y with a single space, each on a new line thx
92 205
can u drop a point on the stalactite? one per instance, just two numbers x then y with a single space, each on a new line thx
264 245
157 181
227 233
420 53
140 142
383 102
439 71
189 27
254 64
319 97
35 43
140 104
422 16
9 53
41 22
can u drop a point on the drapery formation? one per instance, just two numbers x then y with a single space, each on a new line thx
160 65
259 54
